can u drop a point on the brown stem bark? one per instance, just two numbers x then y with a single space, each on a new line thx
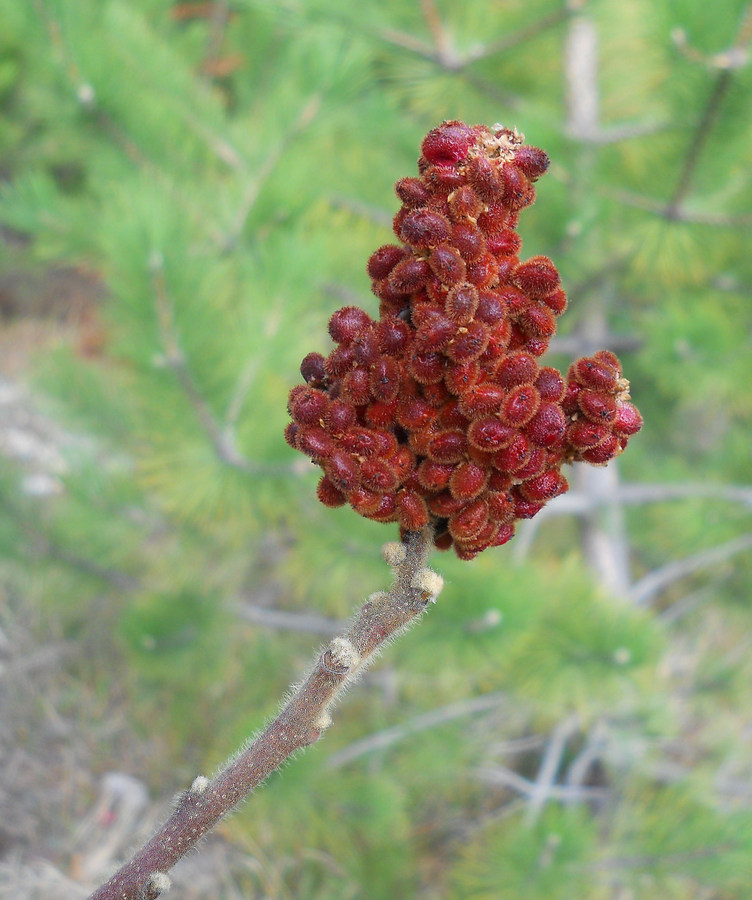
304 717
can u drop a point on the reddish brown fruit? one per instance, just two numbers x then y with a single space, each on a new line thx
603 453
343 471
387 509
468 240
597 406
412 510
556 302
356 387
409 275
481 399
627 421
339 361
447 265
436 394
500 508
483 175
596 375
315 442
443 541
483 271
537 277
309 407
412 192
550 384
491 307
447 447
461 303
518 192
435 331
313 371
364 501
378 476
444 505
504 243
520 405
584 435
425 367
339 417
469 522
442 180
423 228
392 336
434 476
609 359
468 481
402 461
291 435
469 343
514 457
382 415
385 379
538 321
526 509
328 494
490 434
383 260
534 466
547 426
531 161
362 442
460 378
464 203
448 143
415 413
517 368
544 487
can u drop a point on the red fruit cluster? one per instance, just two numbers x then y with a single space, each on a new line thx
440 411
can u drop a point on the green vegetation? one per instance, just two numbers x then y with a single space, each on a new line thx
226 169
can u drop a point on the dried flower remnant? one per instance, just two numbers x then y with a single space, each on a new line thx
440 411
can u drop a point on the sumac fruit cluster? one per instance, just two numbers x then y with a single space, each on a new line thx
440 411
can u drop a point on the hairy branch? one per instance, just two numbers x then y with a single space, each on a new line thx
300 723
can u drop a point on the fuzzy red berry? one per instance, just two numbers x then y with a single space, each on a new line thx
469 241
467 481
531 161
627 421
412 192
490 434
423 228
464 203
447 447
469 342
537 277
312 369
447 265
347 323
448 143
383 260
412 510
469 522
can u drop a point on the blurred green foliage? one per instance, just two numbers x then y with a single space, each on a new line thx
227 171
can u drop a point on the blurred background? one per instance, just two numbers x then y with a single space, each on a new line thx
188 190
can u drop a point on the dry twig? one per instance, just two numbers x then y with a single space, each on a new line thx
300 723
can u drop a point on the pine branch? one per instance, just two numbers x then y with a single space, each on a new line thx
383 739
651 585
300 723
221 435
541 790
304 623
